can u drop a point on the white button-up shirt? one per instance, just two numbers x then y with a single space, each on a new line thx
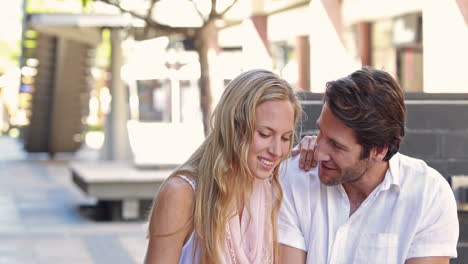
412 213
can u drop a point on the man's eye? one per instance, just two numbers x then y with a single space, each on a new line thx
336 145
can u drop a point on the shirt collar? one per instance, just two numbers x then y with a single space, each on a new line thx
392 176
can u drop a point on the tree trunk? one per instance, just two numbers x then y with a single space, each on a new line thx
203 40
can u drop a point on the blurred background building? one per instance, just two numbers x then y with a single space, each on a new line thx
68 74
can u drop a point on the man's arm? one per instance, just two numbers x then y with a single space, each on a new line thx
291 239
436 237
426 260
292 255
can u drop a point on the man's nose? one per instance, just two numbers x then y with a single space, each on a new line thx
321 151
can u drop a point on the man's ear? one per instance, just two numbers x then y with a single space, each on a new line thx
378 154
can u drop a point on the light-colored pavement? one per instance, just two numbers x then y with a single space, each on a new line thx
40 220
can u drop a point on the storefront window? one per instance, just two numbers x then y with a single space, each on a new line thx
397 48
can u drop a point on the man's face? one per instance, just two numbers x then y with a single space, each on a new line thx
337 151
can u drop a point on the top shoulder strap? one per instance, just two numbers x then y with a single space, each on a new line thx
189 180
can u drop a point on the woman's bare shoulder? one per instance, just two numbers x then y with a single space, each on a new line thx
171 221
176 184
173 206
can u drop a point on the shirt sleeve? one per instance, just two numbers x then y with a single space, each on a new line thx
438 230
289 231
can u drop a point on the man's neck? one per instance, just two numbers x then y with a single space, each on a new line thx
359 190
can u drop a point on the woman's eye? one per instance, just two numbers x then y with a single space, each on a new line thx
263 134
286 139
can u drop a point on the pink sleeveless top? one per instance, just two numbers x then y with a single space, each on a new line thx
247 240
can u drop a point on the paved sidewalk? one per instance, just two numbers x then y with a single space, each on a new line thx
40 221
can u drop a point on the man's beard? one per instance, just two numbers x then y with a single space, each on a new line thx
350 174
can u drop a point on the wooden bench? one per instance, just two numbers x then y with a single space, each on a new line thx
122 191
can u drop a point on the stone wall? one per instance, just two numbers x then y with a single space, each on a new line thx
436 128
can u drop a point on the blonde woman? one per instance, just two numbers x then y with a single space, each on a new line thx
220 206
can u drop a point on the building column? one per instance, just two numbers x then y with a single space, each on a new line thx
303 62
364 42
116 142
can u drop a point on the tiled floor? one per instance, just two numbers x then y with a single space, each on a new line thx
40 221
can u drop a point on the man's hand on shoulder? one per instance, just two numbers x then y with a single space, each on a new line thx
306 150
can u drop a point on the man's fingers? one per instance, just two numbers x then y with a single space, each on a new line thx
314 163
309 153
302 157
305 151
309 158
314 159
296 150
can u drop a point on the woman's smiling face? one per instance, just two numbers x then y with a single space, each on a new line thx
271 139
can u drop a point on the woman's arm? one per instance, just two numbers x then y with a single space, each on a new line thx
171 222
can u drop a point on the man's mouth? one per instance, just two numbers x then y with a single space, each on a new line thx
324 166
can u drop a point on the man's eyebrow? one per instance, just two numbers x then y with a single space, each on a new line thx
338 144
334 141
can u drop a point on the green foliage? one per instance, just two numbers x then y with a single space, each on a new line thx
85 3
30 44
9 52
56 6
104 49
31 34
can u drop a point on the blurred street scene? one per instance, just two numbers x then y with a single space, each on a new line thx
101 99
44 218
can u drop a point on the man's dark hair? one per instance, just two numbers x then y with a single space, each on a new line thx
371 103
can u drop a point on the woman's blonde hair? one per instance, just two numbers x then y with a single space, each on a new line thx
219 166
